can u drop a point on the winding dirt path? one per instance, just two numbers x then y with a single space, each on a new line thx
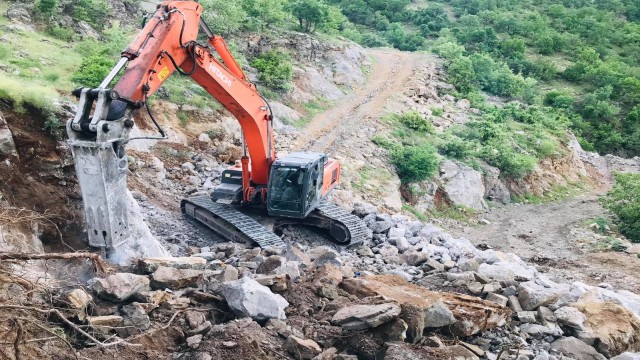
328 130
556 237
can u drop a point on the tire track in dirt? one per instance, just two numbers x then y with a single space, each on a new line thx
328 130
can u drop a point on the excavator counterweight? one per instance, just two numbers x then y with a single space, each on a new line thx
293 188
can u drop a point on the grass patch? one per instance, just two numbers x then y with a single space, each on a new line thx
557 193
311 109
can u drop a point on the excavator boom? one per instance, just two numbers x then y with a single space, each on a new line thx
168 44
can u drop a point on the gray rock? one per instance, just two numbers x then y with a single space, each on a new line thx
361 317
291 268
388 251
468 265
19 13
193 342
247 298
438 315
229 273
576 349
514 304
627 356
135 319
496 298
415 258
152 264
538 331
402 244
119 287
396 233
532 295
463 185
527 316
381 226
293 253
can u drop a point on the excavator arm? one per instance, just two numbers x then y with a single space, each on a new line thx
167 44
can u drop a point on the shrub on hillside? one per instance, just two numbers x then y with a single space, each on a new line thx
275 69
415 163
414 120
624 202
92 71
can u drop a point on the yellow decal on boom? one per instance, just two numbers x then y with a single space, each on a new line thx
163 73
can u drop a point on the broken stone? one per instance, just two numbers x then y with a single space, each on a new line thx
475 288
627 356
193 342
571 317
364 251
195 318
527 316
532 295
229 344
119 287
498 299
270 264
438 315
433 341
576 349
394 330
415 258
514 304
247 298
229 273
135 320
473 348
151 265
546 314
291 269
294 254
104 324
361 317
173 278
379 227
538 331
302 349
78 299
200 329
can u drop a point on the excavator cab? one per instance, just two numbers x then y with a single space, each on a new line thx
296 184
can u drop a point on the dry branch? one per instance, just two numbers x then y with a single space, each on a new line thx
100 265
69 323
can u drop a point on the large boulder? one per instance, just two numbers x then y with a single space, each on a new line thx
609 327
462 185
247 298
576 349
119 287
532 295
471 314
362 317
19 13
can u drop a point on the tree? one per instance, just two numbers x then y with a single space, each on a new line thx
310 14
274 69
461 74
266 12
415 163
48 8
222 16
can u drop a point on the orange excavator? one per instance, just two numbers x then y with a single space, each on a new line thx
293 188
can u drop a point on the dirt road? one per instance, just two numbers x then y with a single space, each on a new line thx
329 130
556 236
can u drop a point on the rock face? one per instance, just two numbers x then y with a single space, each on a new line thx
576 349
7 146
361 317
120 286
19 13
247 298
462 185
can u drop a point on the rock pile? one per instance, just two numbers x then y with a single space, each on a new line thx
411 291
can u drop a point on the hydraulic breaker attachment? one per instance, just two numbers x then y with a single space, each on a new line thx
101 167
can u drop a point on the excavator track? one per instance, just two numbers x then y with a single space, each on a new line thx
345 228
229 222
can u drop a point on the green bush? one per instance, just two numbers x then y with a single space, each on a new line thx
92 71
456 148
415 163
415 121
275 69
624 202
